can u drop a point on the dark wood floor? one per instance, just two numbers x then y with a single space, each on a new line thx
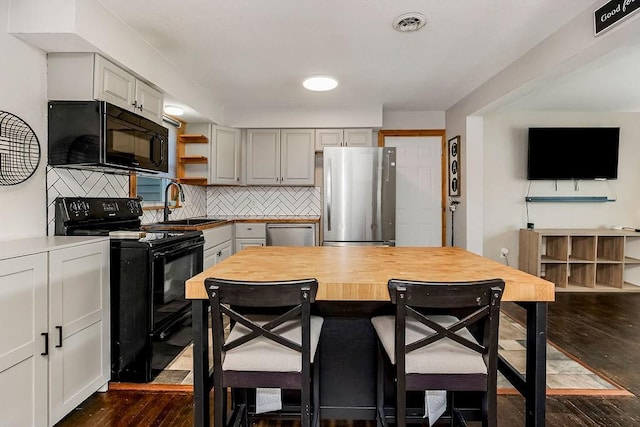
601 330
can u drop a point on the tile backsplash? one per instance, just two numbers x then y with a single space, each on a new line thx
263 201
199 201
84 183
195 204
81 183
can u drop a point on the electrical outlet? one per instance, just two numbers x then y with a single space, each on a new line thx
504 252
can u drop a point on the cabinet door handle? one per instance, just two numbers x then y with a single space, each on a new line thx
219 254
135 104
59 328
140 107
46 343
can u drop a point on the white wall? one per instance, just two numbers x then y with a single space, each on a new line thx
23 93
344 116
568 49
87 26
505 184
413 120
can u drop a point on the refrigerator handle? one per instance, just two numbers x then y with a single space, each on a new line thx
388 167
329 196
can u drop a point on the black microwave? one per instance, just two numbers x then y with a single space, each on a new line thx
103 137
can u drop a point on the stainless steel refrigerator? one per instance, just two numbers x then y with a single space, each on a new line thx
359 196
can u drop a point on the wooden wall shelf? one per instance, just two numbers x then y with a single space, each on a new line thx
582 259
193 159
193 181
193 139
192 175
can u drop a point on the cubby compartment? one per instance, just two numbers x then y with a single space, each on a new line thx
609 275
554 248
556 273
583 248
610 249
582 259
582 275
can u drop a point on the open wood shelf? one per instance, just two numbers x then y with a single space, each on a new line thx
582 260
193 139
193 181
193 159
189 154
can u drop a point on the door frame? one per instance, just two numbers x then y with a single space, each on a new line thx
382 134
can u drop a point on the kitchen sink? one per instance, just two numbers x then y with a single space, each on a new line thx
190 221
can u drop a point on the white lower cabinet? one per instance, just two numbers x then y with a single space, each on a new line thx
217 245
250 234
54 315
23 317
79 325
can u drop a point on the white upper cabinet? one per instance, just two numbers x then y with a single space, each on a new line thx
263 156
297 156
358 138
113 84
343 138
87 76
225 156
148 101
280 157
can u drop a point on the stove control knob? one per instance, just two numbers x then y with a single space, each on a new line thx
134 207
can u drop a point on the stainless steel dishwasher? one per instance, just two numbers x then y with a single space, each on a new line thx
291 235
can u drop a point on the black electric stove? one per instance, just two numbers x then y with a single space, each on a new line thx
149 312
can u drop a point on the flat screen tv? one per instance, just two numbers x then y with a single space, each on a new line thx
573 153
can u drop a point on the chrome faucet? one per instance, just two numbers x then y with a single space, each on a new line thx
167 211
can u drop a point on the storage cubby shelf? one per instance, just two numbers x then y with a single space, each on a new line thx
582 259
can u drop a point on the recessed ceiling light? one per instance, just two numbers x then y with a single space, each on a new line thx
409 22
320 83
173 110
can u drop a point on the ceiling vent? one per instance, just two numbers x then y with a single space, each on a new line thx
409 22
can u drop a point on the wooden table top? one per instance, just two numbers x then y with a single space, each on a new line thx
361 273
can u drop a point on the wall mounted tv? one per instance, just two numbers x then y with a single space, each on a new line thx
573 153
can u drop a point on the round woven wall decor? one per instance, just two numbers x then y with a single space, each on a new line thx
19 150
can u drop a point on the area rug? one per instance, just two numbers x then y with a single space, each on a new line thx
565 374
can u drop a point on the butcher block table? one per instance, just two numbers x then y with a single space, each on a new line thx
352 286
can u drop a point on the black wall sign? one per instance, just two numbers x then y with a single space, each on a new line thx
613 12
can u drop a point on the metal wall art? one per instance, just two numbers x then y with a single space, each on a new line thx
454 166
19 150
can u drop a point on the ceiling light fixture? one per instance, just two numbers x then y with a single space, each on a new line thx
409 22
173 110
320 83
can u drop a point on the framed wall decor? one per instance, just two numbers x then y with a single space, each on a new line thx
453 147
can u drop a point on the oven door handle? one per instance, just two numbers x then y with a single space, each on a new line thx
178 250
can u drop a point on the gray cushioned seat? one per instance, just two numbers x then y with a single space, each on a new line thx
444 356
262 354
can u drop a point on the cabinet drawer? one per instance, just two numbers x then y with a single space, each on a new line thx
215 236
251 229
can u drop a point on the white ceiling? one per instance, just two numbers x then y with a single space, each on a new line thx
257 52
